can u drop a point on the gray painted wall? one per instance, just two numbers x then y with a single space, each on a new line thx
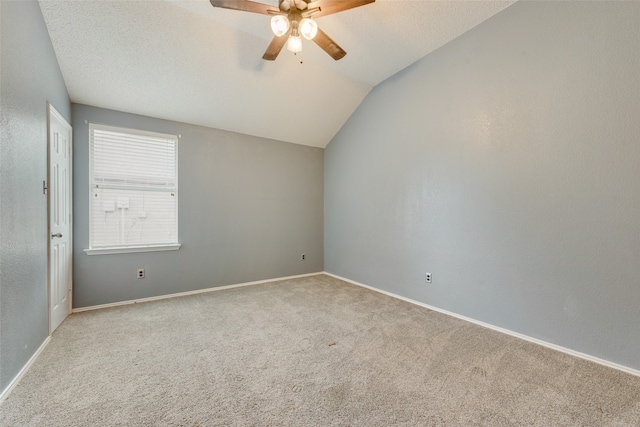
30 77
248 208
506 164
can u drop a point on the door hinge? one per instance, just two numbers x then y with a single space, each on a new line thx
45 189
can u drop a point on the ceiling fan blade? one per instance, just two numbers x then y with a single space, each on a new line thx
328 45
329 7
246 6
275 47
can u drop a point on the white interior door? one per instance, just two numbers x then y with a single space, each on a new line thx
60 219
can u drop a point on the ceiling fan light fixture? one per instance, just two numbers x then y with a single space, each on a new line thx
294 44
308 28
279 25
293 19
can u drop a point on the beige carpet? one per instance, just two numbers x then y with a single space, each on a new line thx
306 352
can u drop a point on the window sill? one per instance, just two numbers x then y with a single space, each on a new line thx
131 249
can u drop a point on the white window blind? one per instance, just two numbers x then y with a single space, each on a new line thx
134 188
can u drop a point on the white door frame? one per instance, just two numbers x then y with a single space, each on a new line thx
52 113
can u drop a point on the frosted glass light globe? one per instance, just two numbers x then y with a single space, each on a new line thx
308 28
279 25
294 44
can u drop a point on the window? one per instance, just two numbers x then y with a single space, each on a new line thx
133 180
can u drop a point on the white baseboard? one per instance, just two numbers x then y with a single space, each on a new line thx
182 294
498 329
24 369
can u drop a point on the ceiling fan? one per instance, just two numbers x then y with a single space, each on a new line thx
294 18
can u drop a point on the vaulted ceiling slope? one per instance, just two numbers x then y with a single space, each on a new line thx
190 62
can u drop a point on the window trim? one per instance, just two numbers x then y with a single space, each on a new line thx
174 246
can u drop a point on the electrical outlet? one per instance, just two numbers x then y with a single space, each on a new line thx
140 273
427 277
303 257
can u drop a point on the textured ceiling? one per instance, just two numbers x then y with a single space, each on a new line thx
190 62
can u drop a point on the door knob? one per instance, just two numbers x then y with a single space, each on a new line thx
56 235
